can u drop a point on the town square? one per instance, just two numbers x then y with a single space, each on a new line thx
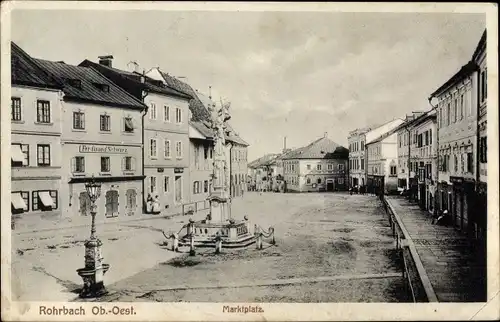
324 158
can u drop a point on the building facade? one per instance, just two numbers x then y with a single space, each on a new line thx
426 159
320 166
101 138
382 154
457 127
479 57
36 130
201 149
357 172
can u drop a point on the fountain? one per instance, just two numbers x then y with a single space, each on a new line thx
219 230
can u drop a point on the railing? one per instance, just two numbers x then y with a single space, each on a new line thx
417 281
193 207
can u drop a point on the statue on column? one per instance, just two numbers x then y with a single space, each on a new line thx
219 117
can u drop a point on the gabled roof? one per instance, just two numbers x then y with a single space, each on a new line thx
26 71
127 80
465 71
88 89
263 161
322 148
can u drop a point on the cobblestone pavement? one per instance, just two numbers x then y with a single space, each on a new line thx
330 248
456 271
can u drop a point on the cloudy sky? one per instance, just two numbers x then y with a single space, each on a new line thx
286 73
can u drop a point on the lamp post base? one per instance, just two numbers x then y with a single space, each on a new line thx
93 283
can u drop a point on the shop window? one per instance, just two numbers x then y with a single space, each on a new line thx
111 203
393 170
319 180
131 196
44 200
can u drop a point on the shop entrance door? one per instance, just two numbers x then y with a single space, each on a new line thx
112 203
178 189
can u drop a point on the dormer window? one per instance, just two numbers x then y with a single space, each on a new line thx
102 87
77 83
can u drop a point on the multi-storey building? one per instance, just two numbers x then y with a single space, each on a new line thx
101 138
236 148
201 149
36 129
262 171
382 156
165 134
319 166
425 160
479 57
357 173
457 150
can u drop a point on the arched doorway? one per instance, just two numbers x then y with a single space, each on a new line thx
84 201
112 203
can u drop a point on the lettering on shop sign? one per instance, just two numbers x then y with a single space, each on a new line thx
160 169
102 149
178 170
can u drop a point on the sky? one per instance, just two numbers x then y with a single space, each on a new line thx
293 74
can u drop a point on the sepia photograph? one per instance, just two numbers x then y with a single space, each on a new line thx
246 158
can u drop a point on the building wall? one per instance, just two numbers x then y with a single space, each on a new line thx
383 155
162 128
239 169
304 175
357 159
385 128
200 169
31 177
403 143
291 173
482 97
92 144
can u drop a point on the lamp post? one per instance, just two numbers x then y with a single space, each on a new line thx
94 270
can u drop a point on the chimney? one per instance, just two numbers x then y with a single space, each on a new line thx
210 92
284 144
106 60
133 67
326 134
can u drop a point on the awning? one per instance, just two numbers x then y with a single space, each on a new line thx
129 123
18 201
17 155
46 198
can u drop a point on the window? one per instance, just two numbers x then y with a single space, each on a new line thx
440 118
178 115
484 85
430 136
79 120
152 111
196 187
166 152
15 109
102 87
428 170
448 114
153 148
319 180
362 164
318 167
340 180
330 166
43 111
426 138
128 124
152 184
178 149
455 111
393 170
166 113
455 162
18 159
166 184
308 180
43 156
105 126
205 186
362 145
196 157
483 150
26 197
78 165
105 164
128 164
341 167
44 200
461 106
470 162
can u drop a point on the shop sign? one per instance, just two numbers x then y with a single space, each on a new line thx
160 169
456 179
178 170
90 148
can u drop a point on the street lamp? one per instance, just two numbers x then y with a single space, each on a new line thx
94 270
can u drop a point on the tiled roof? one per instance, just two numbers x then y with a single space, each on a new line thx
134 79
203 128
322 148
262 161
481 46
89 91
199 111
198 107
26 71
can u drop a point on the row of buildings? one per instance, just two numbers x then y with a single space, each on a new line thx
439 156
319 166
145 136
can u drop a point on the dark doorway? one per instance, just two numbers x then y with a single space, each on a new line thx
329 186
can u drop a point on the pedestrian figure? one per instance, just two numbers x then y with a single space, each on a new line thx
149 204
